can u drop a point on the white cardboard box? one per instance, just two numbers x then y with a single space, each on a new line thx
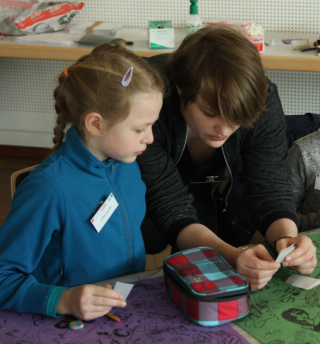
161 34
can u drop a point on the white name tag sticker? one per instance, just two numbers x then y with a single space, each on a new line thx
317 183
104 213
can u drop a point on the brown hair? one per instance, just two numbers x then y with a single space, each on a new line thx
225 69
93 84
287 314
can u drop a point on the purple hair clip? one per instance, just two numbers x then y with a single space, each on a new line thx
125 82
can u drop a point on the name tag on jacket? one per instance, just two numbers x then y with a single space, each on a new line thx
105 211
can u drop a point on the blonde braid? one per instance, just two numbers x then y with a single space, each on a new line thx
63 115
59 131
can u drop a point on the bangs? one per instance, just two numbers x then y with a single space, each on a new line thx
236 99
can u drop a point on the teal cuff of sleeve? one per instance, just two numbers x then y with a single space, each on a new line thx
52 300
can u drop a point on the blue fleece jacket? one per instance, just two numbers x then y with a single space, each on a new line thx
47 240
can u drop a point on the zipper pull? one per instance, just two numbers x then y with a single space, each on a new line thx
253 303
211 178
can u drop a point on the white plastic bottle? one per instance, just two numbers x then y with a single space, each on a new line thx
193 22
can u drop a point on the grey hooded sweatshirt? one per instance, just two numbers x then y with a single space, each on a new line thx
304 164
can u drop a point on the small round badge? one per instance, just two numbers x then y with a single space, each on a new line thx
76 325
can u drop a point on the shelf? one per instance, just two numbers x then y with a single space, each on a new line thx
280 56
276 57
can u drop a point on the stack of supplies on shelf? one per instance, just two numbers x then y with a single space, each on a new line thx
235 24
255 34
97 32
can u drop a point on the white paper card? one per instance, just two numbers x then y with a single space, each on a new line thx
123 288
282 255
317 183
104 213
303 282
56 38
132 34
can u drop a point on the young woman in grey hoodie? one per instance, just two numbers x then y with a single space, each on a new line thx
221 106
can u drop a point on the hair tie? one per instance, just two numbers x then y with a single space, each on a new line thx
125 82
66 71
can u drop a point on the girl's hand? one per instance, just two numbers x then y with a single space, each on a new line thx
256 266
89 301
303 258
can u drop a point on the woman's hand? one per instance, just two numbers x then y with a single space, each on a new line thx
89 301
303 258
256 266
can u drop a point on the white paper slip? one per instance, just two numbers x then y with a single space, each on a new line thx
282 255
123 288
303 282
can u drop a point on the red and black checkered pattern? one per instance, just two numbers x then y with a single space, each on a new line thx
204 272
205 287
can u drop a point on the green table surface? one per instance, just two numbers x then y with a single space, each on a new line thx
291 315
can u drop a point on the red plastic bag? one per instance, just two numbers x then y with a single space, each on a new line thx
18 17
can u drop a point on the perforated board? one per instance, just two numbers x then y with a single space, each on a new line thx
26 85
30 89
273 15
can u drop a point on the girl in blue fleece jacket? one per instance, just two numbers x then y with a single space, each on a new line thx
56 240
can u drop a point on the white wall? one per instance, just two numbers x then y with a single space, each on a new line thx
26 103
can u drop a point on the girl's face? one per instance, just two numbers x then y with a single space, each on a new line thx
125 140
205 124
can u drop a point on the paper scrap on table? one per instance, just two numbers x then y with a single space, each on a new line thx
282 255
132 34
303 282
101 28
123 288
56 38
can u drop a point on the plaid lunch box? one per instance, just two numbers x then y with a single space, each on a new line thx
205 287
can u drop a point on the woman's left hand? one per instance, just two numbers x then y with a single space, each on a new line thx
303 258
